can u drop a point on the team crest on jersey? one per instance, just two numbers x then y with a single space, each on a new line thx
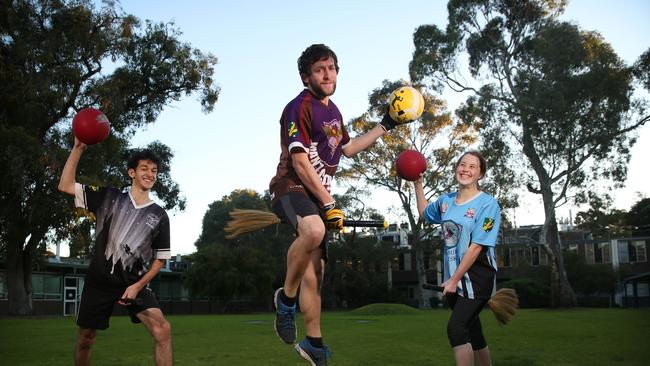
94 188
334 133
444 207
293 130
470 213
152 221
488 224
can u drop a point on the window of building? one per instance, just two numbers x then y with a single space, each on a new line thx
534 255
642 289
46 287
638 249
602 252
631 252
538 256
623 252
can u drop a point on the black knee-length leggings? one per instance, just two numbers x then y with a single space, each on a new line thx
464 325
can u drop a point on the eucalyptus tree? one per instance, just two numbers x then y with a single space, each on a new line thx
558 95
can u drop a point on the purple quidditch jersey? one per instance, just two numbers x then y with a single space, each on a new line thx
308 125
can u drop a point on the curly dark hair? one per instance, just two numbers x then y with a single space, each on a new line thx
141 154
312 54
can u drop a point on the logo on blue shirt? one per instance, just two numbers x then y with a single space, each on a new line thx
488 224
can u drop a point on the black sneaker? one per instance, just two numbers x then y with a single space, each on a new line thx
316 356
285 319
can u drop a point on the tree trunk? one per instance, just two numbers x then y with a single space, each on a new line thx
423 299
562 293
19 280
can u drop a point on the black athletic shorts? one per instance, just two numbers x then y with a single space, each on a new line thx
293 204
97 302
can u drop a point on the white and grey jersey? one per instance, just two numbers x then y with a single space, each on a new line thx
128 236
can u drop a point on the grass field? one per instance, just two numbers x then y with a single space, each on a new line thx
375 335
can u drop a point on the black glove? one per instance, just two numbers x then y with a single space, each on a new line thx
387 122
334 217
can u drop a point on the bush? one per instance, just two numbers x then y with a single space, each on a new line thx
533 293
589 279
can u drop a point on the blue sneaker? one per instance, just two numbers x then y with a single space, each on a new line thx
316 356
285 319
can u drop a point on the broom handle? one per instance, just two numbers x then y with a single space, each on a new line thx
365 223
430 286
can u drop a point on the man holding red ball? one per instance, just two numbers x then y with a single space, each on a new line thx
131 245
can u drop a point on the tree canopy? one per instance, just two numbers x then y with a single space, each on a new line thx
57 57
605 222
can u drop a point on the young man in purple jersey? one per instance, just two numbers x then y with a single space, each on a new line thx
131 245
313 138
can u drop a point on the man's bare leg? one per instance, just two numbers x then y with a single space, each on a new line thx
159 328
311 232
84 349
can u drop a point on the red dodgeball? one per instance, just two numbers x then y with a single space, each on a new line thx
410 164
90 126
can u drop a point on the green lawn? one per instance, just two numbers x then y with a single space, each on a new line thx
379 335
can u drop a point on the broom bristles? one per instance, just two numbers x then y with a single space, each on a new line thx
504 305
244 221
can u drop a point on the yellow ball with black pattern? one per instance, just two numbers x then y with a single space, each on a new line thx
405 104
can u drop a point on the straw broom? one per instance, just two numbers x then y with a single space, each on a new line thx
244 221
503 304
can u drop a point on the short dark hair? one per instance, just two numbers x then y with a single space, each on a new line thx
312 54
481 160
141 154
